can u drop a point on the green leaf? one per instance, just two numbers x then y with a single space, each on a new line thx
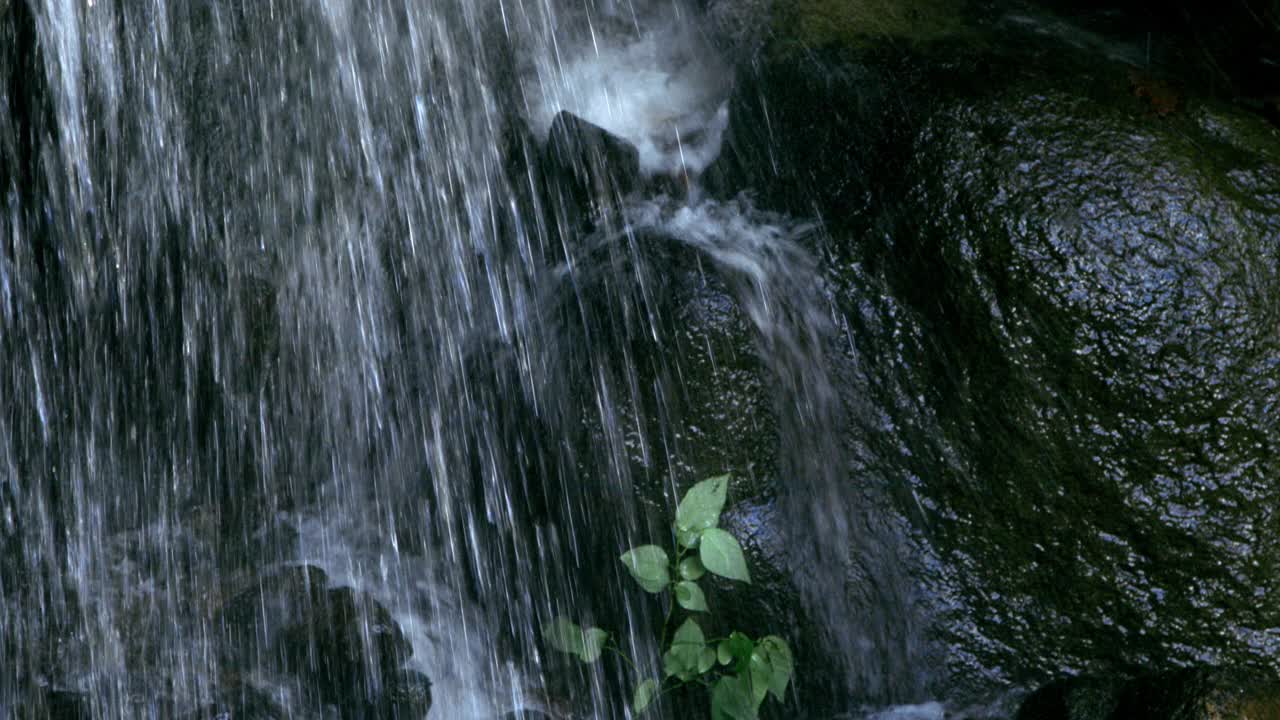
701 506
722 555
731 700
593 640
724 653
564 635
760 672
650 567
673 664
691 568
737 648
690 597
686 651
567 637
780 658
689 633
645 692
706 660
688 538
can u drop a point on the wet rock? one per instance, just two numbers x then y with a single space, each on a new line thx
771 602
59 704
408 697
738 28
1065 299
242 702
1192 694
340 647
589 169
527 715
1108 281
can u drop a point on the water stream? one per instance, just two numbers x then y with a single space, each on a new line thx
296 303
270 298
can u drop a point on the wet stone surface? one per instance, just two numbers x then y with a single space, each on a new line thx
1063 307
1189 694
331 646
1101 328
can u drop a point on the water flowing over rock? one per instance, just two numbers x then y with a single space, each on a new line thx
345 344
1062 302
335 646
586 163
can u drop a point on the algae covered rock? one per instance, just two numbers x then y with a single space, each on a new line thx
1188 694
1097 291
814 23
1068 301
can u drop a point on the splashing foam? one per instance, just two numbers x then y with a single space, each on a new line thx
925 711
664 92
449 641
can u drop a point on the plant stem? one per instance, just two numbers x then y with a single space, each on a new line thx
625 658
671 603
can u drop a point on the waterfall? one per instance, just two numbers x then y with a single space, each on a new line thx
278 287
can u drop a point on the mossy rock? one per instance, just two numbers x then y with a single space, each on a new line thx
1189 694
855 23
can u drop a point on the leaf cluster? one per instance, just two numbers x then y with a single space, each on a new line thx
739 672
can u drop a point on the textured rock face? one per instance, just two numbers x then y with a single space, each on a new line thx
586 163
1102 313
328 646
1192 694
1063 297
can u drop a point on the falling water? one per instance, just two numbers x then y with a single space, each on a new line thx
276 288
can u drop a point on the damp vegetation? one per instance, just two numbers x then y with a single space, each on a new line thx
739 672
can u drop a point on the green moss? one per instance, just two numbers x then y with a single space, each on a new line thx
817 23
1247 134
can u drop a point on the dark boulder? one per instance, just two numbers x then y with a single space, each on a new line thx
56 704
408 697
336 646
1099 337
1062 289
588 169
1191 694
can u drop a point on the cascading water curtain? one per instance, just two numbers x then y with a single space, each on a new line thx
274 291
287 283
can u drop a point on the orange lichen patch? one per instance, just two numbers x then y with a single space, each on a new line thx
1161 97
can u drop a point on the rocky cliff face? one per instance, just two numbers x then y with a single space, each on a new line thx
1059 263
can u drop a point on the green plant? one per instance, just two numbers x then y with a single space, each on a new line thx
738 671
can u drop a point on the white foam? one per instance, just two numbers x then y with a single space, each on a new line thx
924 711
451 644
661 91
